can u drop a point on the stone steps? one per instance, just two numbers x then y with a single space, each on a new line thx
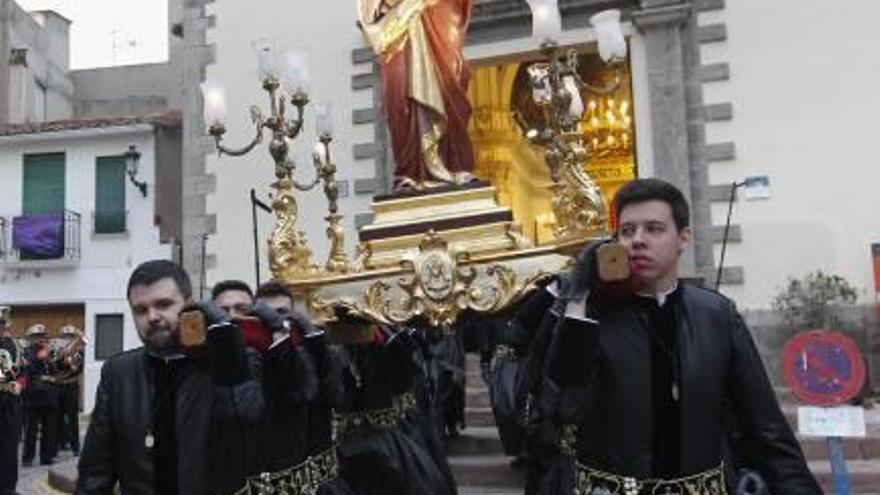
476 457
479 416
486 471
475 440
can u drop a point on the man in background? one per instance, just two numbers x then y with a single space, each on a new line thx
40 399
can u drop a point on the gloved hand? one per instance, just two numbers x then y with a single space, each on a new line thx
214 314
271 318
309 330
225 346
583 278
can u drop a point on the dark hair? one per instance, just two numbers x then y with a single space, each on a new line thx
641 190
221 287
273 288
150 272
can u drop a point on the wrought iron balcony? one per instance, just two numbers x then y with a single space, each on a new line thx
41 240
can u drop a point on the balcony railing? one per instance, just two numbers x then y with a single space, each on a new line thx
41 239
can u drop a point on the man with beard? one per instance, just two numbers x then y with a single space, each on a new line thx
162 410
640 376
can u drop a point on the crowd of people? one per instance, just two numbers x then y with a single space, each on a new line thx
261 402
645 384
39 396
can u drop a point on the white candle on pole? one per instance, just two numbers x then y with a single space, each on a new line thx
546 23
324 118
267 60
612 45
215 102
296 71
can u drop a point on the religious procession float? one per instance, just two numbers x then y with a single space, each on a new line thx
448 239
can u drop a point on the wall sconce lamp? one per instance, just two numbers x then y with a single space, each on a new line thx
132 159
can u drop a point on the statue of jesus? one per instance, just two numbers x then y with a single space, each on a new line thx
424 87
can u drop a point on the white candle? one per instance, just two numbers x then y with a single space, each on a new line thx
296 71
324 118
267 61
612 45
215 102
546 23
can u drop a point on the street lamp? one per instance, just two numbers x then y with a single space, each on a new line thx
132 160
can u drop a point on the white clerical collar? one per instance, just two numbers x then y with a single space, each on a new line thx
660 296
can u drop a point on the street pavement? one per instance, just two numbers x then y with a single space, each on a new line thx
34 480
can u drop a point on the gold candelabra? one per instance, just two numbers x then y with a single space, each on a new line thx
577 202
289 254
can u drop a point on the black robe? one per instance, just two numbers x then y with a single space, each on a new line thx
387 461
602 377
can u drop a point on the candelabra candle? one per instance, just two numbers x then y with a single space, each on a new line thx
323 119
296 79
612 45
215 103
267 62
546 22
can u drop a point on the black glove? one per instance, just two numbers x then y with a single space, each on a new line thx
271 318
214 314
225 346
583 278
309 330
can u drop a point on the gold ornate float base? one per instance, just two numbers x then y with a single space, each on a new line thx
429 258
469 218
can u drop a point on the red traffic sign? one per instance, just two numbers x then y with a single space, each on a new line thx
823 367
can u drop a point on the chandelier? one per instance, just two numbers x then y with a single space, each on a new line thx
607 126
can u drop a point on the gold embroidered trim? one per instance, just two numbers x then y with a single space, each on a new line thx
302 479
377 419
589 481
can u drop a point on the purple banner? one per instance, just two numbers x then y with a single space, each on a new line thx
39 236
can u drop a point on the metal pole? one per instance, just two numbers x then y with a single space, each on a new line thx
256 236
838 466
733 188
203 279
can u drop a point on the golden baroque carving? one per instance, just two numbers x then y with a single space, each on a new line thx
289 254
440 285
577 201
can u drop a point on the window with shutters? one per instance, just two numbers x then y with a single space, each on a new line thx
108 335
43 183
110 194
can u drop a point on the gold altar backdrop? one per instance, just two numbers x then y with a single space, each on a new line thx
516 168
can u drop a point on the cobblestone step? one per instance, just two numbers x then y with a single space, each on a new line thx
492 472
477 397
475 440
479 416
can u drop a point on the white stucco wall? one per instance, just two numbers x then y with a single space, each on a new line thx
805 88
99 280
327 29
